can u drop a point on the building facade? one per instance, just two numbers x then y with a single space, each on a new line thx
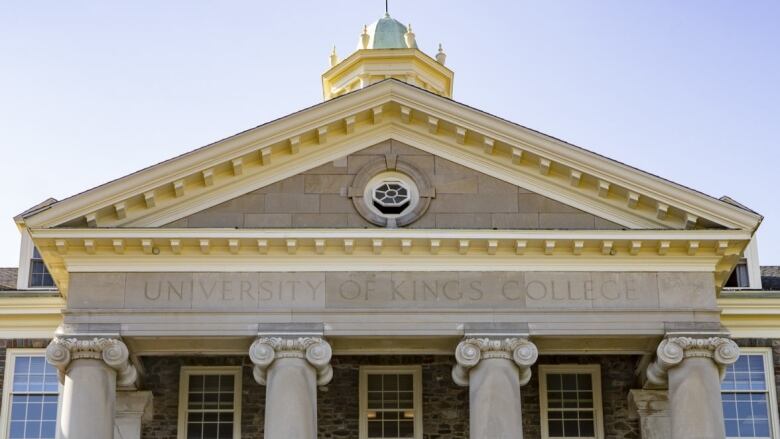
389 263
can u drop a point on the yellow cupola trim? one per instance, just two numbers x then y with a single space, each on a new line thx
387 49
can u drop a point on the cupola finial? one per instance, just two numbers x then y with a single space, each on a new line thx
441 57
334 58
364 37
409 37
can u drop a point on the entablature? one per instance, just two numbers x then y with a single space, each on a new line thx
169 249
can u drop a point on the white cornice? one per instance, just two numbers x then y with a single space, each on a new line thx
171 249
137 233
505 135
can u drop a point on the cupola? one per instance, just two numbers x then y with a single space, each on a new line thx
387 49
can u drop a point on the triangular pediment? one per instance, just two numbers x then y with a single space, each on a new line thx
461 198
391 110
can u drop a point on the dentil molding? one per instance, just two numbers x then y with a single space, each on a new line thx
62 351
673 350
265 350
471 351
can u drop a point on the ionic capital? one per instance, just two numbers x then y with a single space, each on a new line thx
471 351
62 351
673 350
265 350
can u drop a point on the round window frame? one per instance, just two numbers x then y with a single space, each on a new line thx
384 165
385 177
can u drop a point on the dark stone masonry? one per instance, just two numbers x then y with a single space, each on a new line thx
445 405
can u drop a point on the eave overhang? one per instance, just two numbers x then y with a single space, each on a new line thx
392 109
170 249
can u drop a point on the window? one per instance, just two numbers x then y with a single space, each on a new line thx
391 194
571 401
390 402
30 396
748 393
747 273
210 403
739 277
39 274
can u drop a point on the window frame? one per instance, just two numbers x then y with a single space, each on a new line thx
595 373
8 377
184 380
23 275
771 389
750 259
416 372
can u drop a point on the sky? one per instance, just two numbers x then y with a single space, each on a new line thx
93 90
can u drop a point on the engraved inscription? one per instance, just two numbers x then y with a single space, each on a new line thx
380 290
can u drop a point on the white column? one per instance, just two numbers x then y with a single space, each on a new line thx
132 408
494 370
291 368
89 370
692 369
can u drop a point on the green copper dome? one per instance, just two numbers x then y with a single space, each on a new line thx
386 33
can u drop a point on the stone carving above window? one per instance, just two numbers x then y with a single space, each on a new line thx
391 192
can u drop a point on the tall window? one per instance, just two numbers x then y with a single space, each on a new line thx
210 403
571 401
390 402
748 393
39 274
30 396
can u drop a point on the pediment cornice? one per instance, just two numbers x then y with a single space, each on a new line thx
391 109
238 250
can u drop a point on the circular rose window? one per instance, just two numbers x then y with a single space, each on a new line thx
392 197
390 194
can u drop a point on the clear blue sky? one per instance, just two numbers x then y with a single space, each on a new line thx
688 90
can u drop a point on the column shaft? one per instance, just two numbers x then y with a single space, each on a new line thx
291 368
695 401
494 397
291 400
89 370
88 399
691 368
494 369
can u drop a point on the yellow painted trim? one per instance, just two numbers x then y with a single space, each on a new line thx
30 316
751 317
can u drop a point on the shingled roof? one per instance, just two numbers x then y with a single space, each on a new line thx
770 278
8 278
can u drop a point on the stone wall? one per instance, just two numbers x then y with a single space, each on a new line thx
465 199
445 405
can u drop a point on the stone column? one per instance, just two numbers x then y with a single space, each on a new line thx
132 408
494 369
291 368
692 369
89 370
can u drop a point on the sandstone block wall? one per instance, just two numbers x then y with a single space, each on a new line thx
465 199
